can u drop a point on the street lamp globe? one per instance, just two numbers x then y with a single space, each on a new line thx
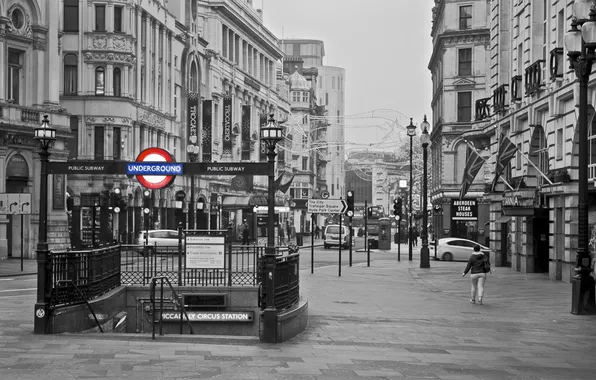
581 9
411 129
271 133
425 137
573 39
589 30
45 134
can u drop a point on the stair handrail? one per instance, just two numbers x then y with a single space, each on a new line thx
84 298
152 297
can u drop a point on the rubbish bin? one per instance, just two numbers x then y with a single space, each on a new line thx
396 238
299 241
373 244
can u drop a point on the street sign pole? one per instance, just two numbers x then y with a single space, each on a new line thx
312 245
351 236
366 233
340 228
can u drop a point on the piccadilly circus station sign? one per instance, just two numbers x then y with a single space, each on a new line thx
154 168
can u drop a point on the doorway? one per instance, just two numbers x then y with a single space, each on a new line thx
540 240
15 232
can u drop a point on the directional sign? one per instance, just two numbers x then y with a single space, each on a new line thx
327 206
227 168
15 203
87 167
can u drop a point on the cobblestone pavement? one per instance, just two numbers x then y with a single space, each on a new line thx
387 321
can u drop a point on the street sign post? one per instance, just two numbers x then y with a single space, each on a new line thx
327 206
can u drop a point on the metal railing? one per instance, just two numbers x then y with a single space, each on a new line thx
175 298
141 263
287 282
93 271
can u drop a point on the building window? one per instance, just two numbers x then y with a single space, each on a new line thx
15 72
304 163
74 129
592 151
518 159
464 106
100 18
117 143
326 98
71 15
305 97
70 74
305 119
559 143
100 84
117 82
99 142
465 62
176 91
465 17
295 96
304 141
118 19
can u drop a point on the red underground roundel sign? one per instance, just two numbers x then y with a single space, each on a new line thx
155 168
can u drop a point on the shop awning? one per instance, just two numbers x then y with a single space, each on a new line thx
503 219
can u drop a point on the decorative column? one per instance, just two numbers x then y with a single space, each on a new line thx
3 21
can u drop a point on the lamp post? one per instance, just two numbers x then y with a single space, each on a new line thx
580 49
46 135
411 129
425 140
271 134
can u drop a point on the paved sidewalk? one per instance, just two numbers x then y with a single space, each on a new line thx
14 267
387 321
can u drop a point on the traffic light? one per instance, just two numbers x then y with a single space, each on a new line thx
104 198
118 201
369 212
350 203
146 201
397 207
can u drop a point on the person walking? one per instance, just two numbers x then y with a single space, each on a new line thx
479 264
245 233
317 232
415 237
281 234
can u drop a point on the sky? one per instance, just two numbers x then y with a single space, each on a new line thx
384 46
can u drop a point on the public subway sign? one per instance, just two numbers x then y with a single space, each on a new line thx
155 168
466 209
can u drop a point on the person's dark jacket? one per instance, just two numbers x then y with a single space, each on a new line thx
245 232
476 263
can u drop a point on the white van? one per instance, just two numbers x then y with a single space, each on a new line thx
332 236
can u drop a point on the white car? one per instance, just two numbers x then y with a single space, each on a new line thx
332 236
161 240
449 249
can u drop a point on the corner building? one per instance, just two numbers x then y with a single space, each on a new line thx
30 48
532 99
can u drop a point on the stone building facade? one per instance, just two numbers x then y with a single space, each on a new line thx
532 100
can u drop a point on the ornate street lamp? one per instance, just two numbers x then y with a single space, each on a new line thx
46 135
271 134
411 129
425 140
580 49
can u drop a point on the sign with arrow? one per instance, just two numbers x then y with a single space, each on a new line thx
15 203
327 206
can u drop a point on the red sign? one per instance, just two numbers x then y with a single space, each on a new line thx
155 155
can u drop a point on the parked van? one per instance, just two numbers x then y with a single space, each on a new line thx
332 236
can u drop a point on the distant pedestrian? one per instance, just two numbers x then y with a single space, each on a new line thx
289 231
479 263
281 234
317 232
415 237
245 233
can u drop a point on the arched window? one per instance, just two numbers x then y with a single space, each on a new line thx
100 83
194 77
117 82
70 74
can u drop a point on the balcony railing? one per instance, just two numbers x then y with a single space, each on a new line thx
499 102
482 109
533 77
516 84
557 62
